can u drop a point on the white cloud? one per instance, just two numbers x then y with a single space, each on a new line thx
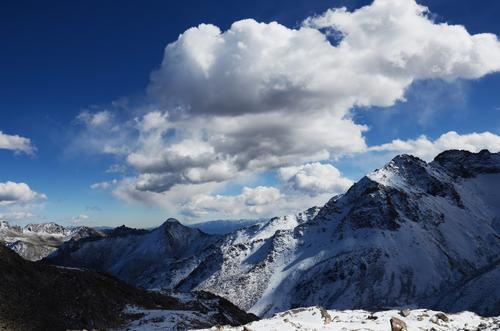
252 201
16 143
315 178
427 149
18 194
262 96
397 40
261 201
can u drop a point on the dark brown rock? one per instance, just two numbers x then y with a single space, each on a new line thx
398 325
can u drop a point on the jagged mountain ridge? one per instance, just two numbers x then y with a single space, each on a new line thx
41 297
410 233
36 241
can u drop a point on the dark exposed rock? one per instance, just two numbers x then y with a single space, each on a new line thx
397 324
442 317
405 312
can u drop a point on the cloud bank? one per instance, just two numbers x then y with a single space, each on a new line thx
226 105
263 96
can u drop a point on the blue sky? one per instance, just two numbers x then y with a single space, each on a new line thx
62 59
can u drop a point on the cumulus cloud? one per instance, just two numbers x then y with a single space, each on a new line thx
262 96
16 143
397 40
315 178
12 193
427 149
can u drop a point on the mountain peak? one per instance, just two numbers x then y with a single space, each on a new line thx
172 221
406 159
399 171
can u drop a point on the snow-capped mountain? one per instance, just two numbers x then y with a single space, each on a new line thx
36 241
406 234
409 234
35 296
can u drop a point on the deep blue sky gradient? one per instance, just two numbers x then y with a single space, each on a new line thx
58 58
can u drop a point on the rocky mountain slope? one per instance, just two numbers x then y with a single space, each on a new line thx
320 319
409 234
35 296
151 259
36 241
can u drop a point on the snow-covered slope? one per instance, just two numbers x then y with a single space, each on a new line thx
36 241
409 234
320 319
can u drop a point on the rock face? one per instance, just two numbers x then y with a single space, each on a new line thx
40 297
409 234
36 241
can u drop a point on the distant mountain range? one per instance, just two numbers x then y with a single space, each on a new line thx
36 241
410 234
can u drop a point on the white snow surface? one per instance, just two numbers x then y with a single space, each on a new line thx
165 319
318 319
